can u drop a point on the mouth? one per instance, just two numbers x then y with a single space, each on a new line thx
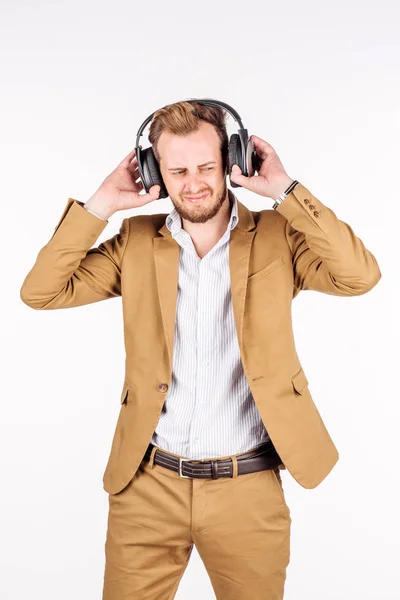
196 199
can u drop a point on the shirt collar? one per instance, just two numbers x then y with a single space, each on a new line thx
174 221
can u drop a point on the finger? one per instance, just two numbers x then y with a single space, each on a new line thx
133 166
237 177
133 171
135 174
261 146
125 162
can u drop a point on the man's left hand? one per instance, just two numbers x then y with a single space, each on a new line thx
272 179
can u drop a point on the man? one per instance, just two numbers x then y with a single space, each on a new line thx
215 401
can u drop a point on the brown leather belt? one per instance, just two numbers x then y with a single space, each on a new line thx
261 458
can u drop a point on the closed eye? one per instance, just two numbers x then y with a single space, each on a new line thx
182 171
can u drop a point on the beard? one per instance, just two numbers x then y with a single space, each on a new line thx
199 213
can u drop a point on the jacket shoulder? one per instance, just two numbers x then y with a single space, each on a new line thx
268 219
147 224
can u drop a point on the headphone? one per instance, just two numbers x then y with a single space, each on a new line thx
241 152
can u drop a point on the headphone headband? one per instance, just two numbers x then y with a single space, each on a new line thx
205 101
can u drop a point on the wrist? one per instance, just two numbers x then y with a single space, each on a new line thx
98 206
284 194
279 186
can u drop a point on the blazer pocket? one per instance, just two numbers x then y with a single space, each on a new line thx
299 381
275 264
124 393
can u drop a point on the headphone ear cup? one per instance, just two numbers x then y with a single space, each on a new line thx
151 172
234 157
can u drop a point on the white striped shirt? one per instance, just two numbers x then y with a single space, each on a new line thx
209 410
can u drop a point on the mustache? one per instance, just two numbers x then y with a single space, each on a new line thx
197 194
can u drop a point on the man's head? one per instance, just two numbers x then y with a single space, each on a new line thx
190 143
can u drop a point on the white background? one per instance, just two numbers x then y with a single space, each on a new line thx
321 83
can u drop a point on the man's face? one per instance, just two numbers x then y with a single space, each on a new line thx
191 166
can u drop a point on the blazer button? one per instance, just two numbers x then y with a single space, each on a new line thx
311 207
163 387
316 213
306 201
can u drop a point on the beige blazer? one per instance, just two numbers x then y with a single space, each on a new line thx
274 254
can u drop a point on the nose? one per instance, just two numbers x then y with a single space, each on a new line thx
194 185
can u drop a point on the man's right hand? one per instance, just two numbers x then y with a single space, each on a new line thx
120 190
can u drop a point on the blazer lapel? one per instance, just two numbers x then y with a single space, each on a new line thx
166 259
239 260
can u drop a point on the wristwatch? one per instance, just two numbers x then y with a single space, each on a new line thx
285 193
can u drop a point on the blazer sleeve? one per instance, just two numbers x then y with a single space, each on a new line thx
68 272
327 256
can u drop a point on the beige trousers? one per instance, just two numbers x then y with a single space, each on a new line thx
240 526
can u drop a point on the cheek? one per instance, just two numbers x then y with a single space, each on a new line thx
173 186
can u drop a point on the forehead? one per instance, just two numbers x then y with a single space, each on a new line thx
194 148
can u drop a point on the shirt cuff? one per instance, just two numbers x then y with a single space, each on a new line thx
95 214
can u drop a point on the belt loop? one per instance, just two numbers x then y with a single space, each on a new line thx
234 466
151 459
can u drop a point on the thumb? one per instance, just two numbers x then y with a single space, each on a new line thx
236 175
154 192
151 195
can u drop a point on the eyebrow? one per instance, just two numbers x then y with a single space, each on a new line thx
183 168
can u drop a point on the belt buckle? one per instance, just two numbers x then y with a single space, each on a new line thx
181 460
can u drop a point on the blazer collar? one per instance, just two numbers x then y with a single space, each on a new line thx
245 217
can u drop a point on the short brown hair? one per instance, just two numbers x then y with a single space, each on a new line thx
182 118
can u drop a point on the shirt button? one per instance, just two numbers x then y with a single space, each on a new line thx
163 387
311 207
306 201
316 213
